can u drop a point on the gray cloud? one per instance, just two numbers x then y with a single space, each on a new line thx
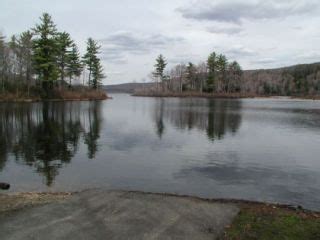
309 56
184 58
228 30
239 51
264 61
113 56
117 46
236 11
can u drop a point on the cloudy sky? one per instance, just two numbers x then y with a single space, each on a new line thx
256 33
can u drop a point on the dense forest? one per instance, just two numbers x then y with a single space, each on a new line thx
219 76
43 62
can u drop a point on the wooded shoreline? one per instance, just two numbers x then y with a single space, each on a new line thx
44 63
217 95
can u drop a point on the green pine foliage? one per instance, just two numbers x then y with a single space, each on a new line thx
64 44
160 66
90 59
43 59
211 65
45 50
97 74
74 65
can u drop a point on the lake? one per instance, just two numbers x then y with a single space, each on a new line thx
255 149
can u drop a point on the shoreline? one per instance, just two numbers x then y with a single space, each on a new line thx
244 202
143 215
220 96
34 100
57 95
29 100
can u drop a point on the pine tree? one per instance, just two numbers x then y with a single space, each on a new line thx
191 75
90 57
64 43
234 78
45 52
211 63
97 74
74 66
159 69
222 64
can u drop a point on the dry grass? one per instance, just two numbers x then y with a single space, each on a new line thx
64 94
81 94
10 97
21 200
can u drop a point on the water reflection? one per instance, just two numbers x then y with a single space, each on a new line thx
46 136
158 117
214 117
263 149
93 134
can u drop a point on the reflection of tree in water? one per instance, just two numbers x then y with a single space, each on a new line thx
45 136
93 134
215 117
159 124
223 116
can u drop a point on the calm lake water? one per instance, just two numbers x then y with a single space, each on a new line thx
257 149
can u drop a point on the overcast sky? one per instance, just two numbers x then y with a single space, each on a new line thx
256 33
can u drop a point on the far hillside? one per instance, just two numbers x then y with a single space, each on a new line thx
302 79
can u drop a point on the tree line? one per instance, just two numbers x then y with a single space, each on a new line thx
42 59
216 75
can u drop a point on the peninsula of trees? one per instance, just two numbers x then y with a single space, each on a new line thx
218 77
43 63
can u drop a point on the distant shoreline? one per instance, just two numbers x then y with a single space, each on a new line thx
219 95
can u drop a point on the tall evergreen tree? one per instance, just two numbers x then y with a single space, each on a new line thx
74 65
97 74
234 78
90 57
212 64
160 66
222 64
45 52
64 43
191 74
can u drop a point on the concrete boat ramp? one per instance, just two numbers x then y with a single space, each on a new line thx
103 214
